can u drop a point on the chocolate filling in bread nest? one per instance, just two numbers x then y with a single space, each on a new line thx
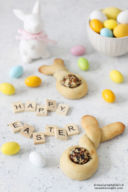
71 81
80 155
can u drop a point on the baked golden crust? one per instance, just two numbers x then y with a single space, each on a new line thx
91 126
58 65
90 141
73 93
112 130
96 134
76 171
59 71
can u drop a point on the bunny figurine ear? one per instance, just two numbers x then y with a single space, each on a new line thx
19 14
36 8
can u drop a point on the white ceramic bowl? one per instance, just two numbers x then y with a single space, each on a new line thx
108 45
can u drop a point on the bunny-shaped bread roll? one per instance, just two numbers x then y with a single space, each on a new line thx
71 86
80 162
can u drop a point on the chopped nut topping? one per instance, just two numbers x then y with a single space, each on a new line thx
71 81
80 155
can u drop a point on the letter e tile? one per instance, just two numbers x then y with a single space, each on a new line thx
16 126
61 134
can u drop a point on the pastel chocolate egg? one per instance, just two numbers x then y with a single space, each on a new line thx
36 159
110 24
123 17
10 148
83 63
108 96
97 14
96 25
33 81
121 30
106 32
16 71
116 76
78 50
111 12
7 89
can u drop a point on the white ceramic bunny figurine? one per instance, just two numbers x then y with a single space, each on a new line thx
33 41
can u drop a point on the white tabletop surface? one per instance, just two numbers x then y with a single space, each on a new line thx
65 22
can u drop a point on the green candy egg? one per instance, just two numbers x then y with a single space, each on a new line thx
83 64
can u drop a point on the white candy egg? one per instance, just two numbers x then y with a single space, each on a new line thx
37 159
97 14
123 17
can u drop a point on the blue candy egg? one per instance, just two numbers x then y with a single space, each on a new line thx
16 71
106 32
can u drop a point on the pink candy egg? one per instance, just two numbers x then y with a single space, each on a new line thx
78 50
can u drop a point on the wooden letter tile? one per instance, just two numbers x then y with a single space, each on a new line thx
62 109
49 130
41 110
51 105
27 130
38 138
61 134
72 129
30 106
16 126
18 107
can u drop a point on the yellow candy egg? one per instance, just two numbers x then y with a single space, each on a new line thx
10 148
33 81
116 76
110 24
121 30
111 12
7 89
108 96
96 25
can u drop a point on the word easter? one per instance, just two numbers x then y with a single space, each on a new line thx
50 130
41 110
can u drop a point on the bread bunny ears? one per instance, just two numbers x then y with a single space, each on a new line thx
80 162
71 86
